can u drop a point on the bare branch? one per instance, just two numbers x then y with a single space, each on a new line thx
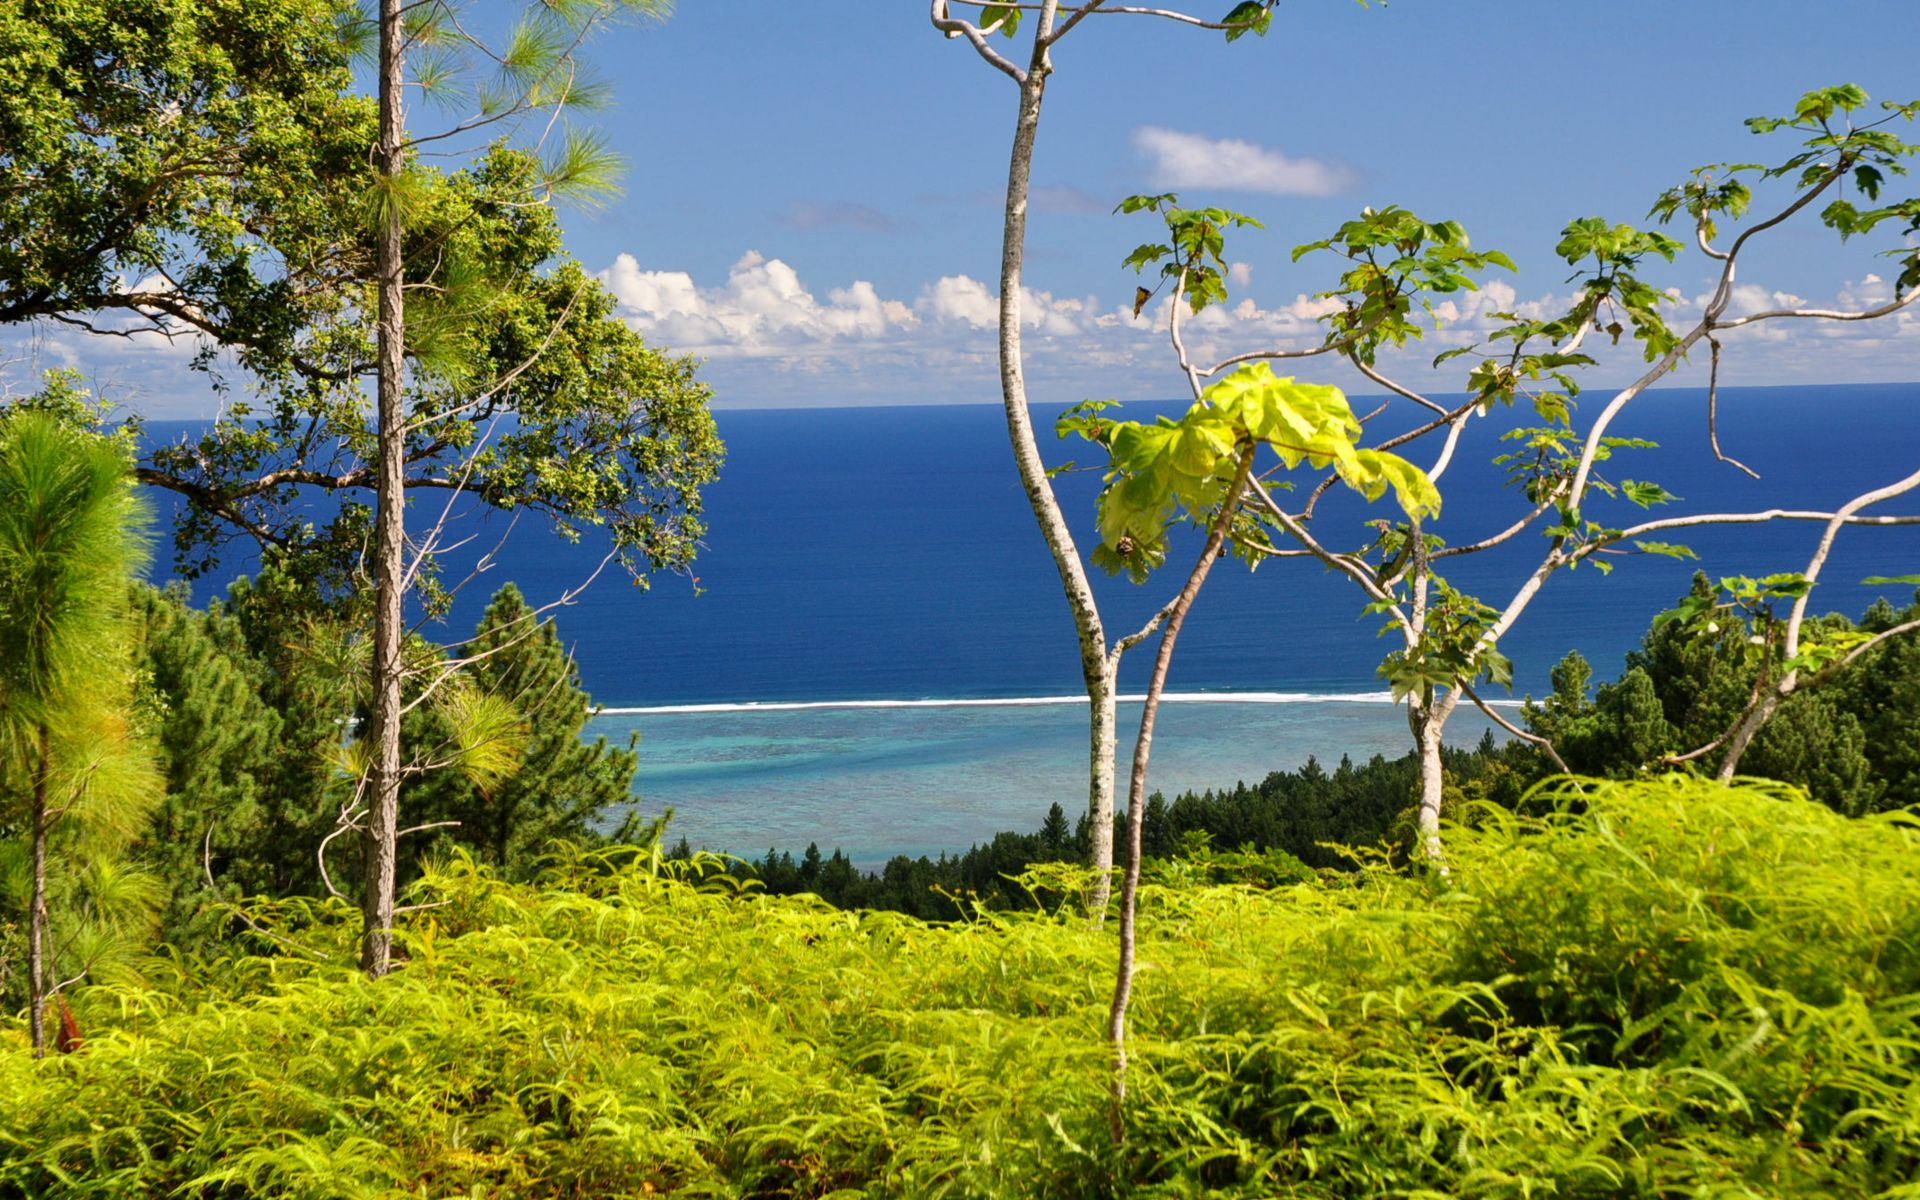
400 833
1751 518
1490 542
1366 369
1173 333
1723 294
1823 314
450 667
1840 518
1141 634
206 867
1713 411
1358 572
954 27
1524 735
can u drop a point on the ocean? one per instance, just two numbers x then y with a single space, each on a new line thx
866 567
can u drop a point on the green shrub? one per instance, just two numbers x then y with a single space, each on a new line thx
1647 989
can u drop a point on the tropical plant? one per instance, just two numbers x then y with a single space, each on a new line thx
498 375
1703 667
1641 989
75 778
561 788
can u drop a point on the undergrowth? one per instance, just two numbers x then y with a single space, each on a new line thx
1651 989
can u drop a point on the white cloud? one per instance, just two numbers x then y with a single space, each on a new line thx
1182 160
771 336
857 341
762 308
958 298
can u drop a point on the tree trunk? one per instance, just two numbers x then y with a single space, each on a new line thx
1743 734
1103 705
37 905
1429 723
1098 669
376 946
1137 798
1095 670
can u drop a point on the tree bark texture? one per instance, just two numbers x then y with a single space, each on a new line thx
1102 745
376 948
1429 722
1743 733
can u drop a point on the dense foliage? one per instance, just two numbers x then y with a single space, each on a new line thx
1850 742
1279 828
241 719
1645 989
1624 982
1850 745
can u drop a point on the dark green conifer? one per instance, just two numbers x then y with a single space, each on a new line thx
565 788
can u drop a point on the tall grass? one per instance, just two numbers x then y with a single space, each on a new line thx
1656 989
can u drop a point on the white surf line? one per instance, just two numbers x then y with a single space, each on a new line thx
754 706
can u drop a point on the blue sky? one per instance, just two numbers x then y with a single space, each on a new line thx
812 201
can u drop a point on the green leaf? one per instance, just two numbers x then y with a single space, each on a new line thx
1666 549
1007 16
1687 611
1249 16
1645 494
1891 580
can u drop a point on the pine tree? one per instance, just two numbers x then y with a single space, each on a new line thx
218 742
75 777
1056 837
564 787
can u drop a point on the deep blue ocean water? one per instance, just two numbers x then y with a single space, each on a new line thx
888 554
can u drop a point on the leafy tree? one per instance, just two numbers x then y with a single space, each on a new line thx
173 166
1883 693
72 766
498 373
1692 679
1449 640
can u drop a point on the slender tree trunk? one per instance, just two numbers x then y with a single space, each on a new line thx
1743 734
1095 670
1103 705
37 905
1429 723
376 946
1137 798
1427 717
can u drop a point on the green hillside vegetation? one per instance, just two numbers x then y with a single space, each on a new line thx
1851 745
303 894
1645 989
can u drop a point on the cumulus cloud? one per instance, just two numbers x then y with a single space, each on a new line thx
769 335
1180 160
761 309
958 298
943 337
